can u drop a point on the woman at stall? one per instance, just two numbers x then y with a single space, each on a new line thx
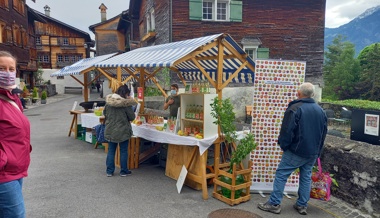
15 145
118 114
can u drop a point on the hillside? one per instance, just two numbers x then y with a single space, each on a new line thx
362 31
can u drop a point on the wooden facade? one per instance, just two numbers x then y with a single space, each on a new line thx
14 32
58 44
107 36
288 30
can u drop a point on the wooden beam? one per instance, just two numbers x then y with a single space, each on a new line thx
179 75
152 74
204 72
104 73
239 56
159 87
142 85
85 91
219 69
235 74
214 57
195 53
76 79
118 74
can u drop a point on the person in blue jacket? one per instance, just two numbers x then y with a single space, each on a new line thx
302 135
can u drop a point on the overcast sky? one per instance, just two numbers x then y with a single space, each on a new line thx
82 14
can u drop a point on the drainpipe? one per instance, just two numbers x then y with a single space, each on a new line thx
170 20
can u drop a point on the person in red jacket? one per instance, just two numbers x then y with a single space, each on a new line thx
15 145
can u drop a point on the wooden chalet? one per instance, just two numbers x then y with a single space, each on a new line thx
59 44
288 30
17 36
108 37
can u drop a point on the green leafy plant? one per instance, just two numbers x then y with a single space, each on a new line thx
222 111
356 103
43 95
35 92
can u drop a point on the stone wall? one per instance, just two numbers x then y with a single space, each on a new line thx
356 167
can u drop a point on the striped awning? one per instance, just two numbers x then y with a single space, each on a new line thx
78 67
171 54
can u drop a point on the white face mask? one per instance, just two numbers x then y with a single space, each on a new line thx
7 79
173 92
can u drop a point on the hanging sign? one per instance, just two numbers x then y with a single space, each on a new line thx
140 94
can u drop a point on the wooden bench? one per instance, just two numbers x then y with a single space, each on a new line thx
73 90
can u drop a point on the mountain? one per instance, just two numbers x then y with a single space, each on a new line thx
362 31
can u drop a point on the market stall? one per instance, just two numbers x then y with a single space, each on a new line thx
217 59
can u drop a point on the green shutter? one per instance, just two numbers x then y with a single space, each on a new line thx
263 53
195 9
236 11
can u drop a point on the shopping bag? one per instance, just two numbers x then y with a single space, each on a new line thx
99 129
320 184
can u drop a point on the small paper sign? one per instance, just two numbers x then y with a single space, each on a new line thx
140 94
181 179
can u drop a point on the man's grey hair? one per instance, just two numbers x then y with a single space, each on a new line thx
307 90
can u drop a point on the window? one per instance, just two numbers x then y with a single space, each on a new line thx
79 57
252 52
65 41
72 59
43 58
216 10
19 6
16 35
38 40
4 3
150 21
3 34
8 33
46 59
60 77
24 37
66 58
59 58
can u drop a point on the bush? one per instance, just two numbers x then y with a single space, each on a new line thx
35 92
356 103
43 95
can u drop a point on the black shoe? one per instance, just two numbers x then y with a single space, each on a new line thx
125 174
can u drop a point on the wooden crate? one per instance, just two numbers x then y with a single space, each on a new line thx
133 153
245 196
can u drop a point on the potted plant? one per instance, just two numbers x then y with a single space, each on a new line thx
43 97
35 95
232 185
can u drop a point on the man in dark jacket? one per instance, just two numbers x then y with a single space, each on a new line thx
302 135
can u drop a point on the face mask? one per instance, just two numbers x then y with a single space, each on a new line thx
7 79
173 92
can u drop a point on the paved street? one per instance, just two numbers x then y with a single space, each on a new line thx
67 179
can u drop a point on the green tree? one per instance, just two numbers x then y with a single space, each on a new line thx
341 70
369 59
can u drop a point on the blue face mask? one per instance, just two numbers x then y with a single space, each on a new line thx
173 92
7 78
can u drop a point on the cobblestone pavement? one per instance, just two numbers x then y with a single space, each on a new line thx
335 207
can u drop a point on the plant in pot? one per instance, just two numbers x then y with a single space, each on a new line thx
35 95
222 111
43 97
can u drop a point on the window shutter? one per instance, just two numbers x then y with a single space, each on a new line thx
236 11
195 9
263 53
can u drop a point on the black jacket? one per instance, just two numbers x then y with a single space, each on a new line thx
303 128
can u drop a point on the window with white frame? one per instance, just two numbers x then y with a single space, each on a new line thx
46 59
65 41
38 40
59 58
150 21
216 10
251 51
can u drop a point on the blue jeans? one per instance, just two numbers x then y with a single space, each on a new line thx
110 162
290 162
11 199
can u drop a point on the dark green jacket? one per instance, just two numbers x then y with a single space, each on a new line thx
118 114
